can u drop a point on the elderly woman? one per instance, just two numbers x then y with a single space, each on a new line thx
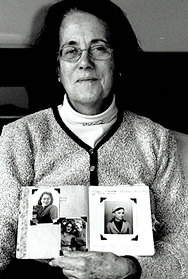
88 139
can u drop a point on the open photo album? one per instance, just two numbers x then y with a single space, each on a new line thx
79 218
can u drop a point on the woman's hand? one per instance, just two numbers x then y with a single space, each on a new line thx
92 265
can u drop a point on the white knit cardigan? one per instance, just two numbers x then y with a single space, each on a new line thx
39 150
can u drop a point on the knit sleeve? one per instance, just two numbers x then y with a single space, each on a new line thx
15 171
171 243
54 212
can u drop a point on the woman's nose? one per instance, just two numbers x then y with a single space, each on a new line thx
85 61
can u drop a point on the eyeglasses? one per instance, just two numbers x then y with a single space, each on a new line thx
96 52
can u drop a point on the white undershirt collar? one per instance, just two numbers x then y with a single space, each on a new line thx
89 128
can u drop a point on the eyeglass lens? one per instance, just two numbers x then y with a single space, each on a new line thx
98 52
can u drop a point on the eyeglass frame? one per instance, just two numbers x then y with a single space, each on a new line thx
80 51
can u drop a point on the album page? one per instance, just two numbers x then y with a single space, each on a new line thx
120 220
52 220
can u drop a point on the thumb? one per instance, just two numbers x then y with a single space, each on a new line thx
57 262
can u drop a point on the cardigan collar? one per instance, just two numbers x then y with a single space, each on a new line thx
84 145
89 128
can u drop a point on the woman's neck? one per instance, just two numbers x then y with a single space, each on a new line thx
91 108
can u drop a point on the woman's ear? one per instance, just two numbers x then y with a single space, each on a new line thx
58 69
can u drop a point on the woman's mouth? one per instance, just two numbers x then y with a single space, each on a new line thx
89 79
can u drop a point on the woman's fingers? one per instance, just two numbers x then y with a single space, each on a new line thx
75 265
71 261
57 262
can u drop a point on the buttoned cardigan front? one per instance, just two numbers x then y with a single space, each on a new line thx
40 150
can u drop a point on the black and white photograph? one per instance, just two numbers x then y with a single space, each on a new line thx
73 234
119 217
45 207
93 102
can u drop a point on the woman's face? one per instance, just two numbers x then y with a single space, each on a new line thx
79 227
68 228
45 200
119 214
88 82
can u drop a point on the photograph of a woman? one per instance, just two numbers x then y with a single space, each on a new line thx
73 235
118 225
45 211
67 236
80 235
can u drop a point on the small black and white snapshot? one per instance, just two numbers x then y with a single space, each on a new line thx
45 206
118 217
